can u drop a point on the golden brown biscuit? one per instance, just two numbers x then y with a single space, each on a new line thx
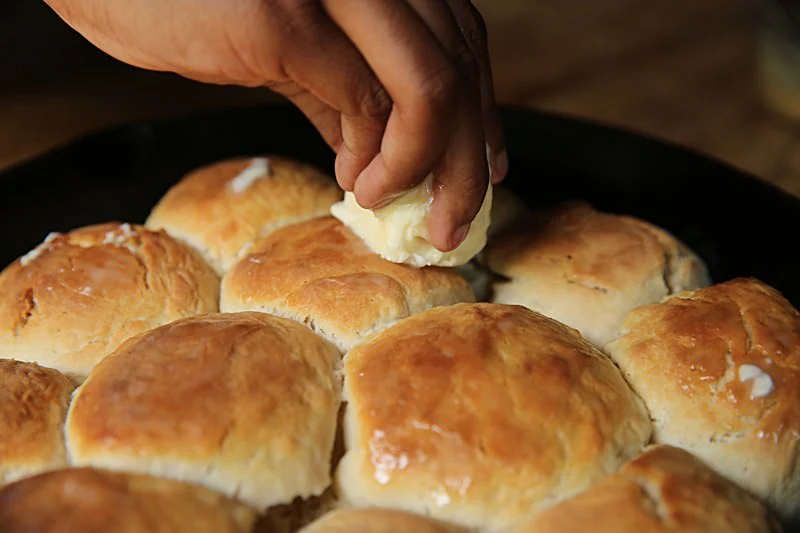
33 404
223 208
589 269
245 404
480 414
719 369
319 273
663 490
353 520
77 296
84 500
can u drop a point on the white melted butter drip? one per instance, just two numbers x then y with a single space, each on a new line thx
119 236
258 168
385 461
36 252
762 383
441 498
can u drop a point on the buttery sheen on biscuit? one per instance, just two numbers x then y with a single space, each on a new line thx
321 274
719 369
589 269
77 296
354 520
222 208
481 414
245 404
84 500
664 490
33 404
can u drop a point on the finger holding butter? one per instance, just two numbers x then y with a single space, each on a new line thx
399 232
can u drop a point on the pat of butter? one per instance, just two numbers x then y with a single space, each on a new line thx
36 252
762 383
399 232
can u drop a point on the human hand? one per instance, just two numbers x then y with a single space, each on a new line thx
398 88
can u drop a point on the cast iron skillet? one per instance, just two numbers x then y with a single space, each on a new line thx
738 224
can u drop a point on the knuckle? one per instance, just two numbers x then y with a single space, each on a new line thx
294 17
305 19
468 66
375 102
475 189
476 30
439 87
287 7
471 22
291 30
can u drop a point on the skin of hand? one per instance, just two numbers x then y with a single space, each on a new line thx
398 88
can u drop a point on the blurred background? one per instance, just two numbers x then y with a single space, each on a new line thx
718 76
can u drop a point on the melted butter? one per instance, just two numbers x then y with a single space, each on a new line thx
441 498
385 460
120 236
762 384
86 290
443 495
460 485
36 252
259 168
435 429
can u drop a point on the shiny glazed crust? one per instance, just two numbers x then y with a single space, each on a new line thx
589 269
319 273
664 490
222 221
480 414
686 357
78 296
245 404
94 501
33 405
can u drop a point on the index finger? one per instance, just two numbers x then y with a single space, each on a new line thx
420 79
474 28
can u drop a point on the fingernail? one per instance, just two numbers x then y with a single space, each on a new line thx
340 166
363 189
459 235
500 167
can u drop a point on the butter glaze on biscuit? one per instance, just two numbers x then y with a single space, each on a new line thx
480 415
719 369
77 296
321 274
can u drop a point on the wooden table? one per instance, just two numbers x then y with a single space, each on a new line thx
681 70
